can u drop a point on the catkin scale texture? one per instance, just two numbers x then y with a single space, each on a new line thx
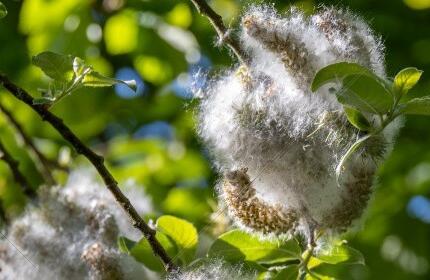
277 143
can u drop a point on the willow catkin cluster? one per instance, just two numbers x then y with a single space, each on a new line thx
276 143
72 234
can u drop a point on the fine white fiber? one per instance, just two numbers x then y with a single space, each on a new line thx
72 234
276 143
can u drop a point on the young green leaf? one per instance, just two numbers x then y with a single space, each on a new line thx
183 233
291 272
266 275
79 67
337 72
125 244
365 94
357 119
237 246
95 79
405 80
416 106
339 252
3 10
143 253
56 66
71 73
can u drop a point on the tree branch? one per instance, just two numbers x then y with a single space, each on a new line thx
98 162
43 163
17 175
3 216
216 20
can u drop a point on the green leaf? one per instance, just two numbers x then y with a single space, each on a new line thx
95 79
357 119
183 233
406 79
266 275
125 245
79 67
337 72
56 66
289 273
365 94
339 252
416 106
64 67
237 246
143 253
3 10
314 276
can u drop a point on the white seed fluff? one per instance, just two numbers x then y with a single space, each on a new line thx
277 143
72 234
214 269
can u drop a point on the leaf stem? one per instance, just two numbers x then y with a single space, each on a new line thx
305 261
98 162
216 20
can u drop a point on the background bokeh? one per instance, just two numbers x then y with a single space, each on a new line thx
150 136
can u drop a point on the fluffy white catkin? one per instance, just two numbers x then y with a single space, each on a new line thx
277 143
72 234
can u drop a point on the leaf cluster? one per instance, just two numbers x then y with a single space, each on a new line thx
370 102
70 74
283 259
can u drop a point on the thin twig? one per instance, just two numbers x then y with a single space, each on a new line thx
42 163
98 162
17 175
3 216
216 20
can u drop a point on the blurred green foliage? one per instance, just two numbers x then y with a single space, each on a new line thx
150 135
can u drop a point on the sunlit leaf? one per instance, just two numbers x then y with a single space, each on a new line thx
56 66
143 253
337 72
289 273
183 233
339 252
3 10
266 275
357 119
71 73
79 67
326 270
95 79
365 94
237 245
416 106
406 79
